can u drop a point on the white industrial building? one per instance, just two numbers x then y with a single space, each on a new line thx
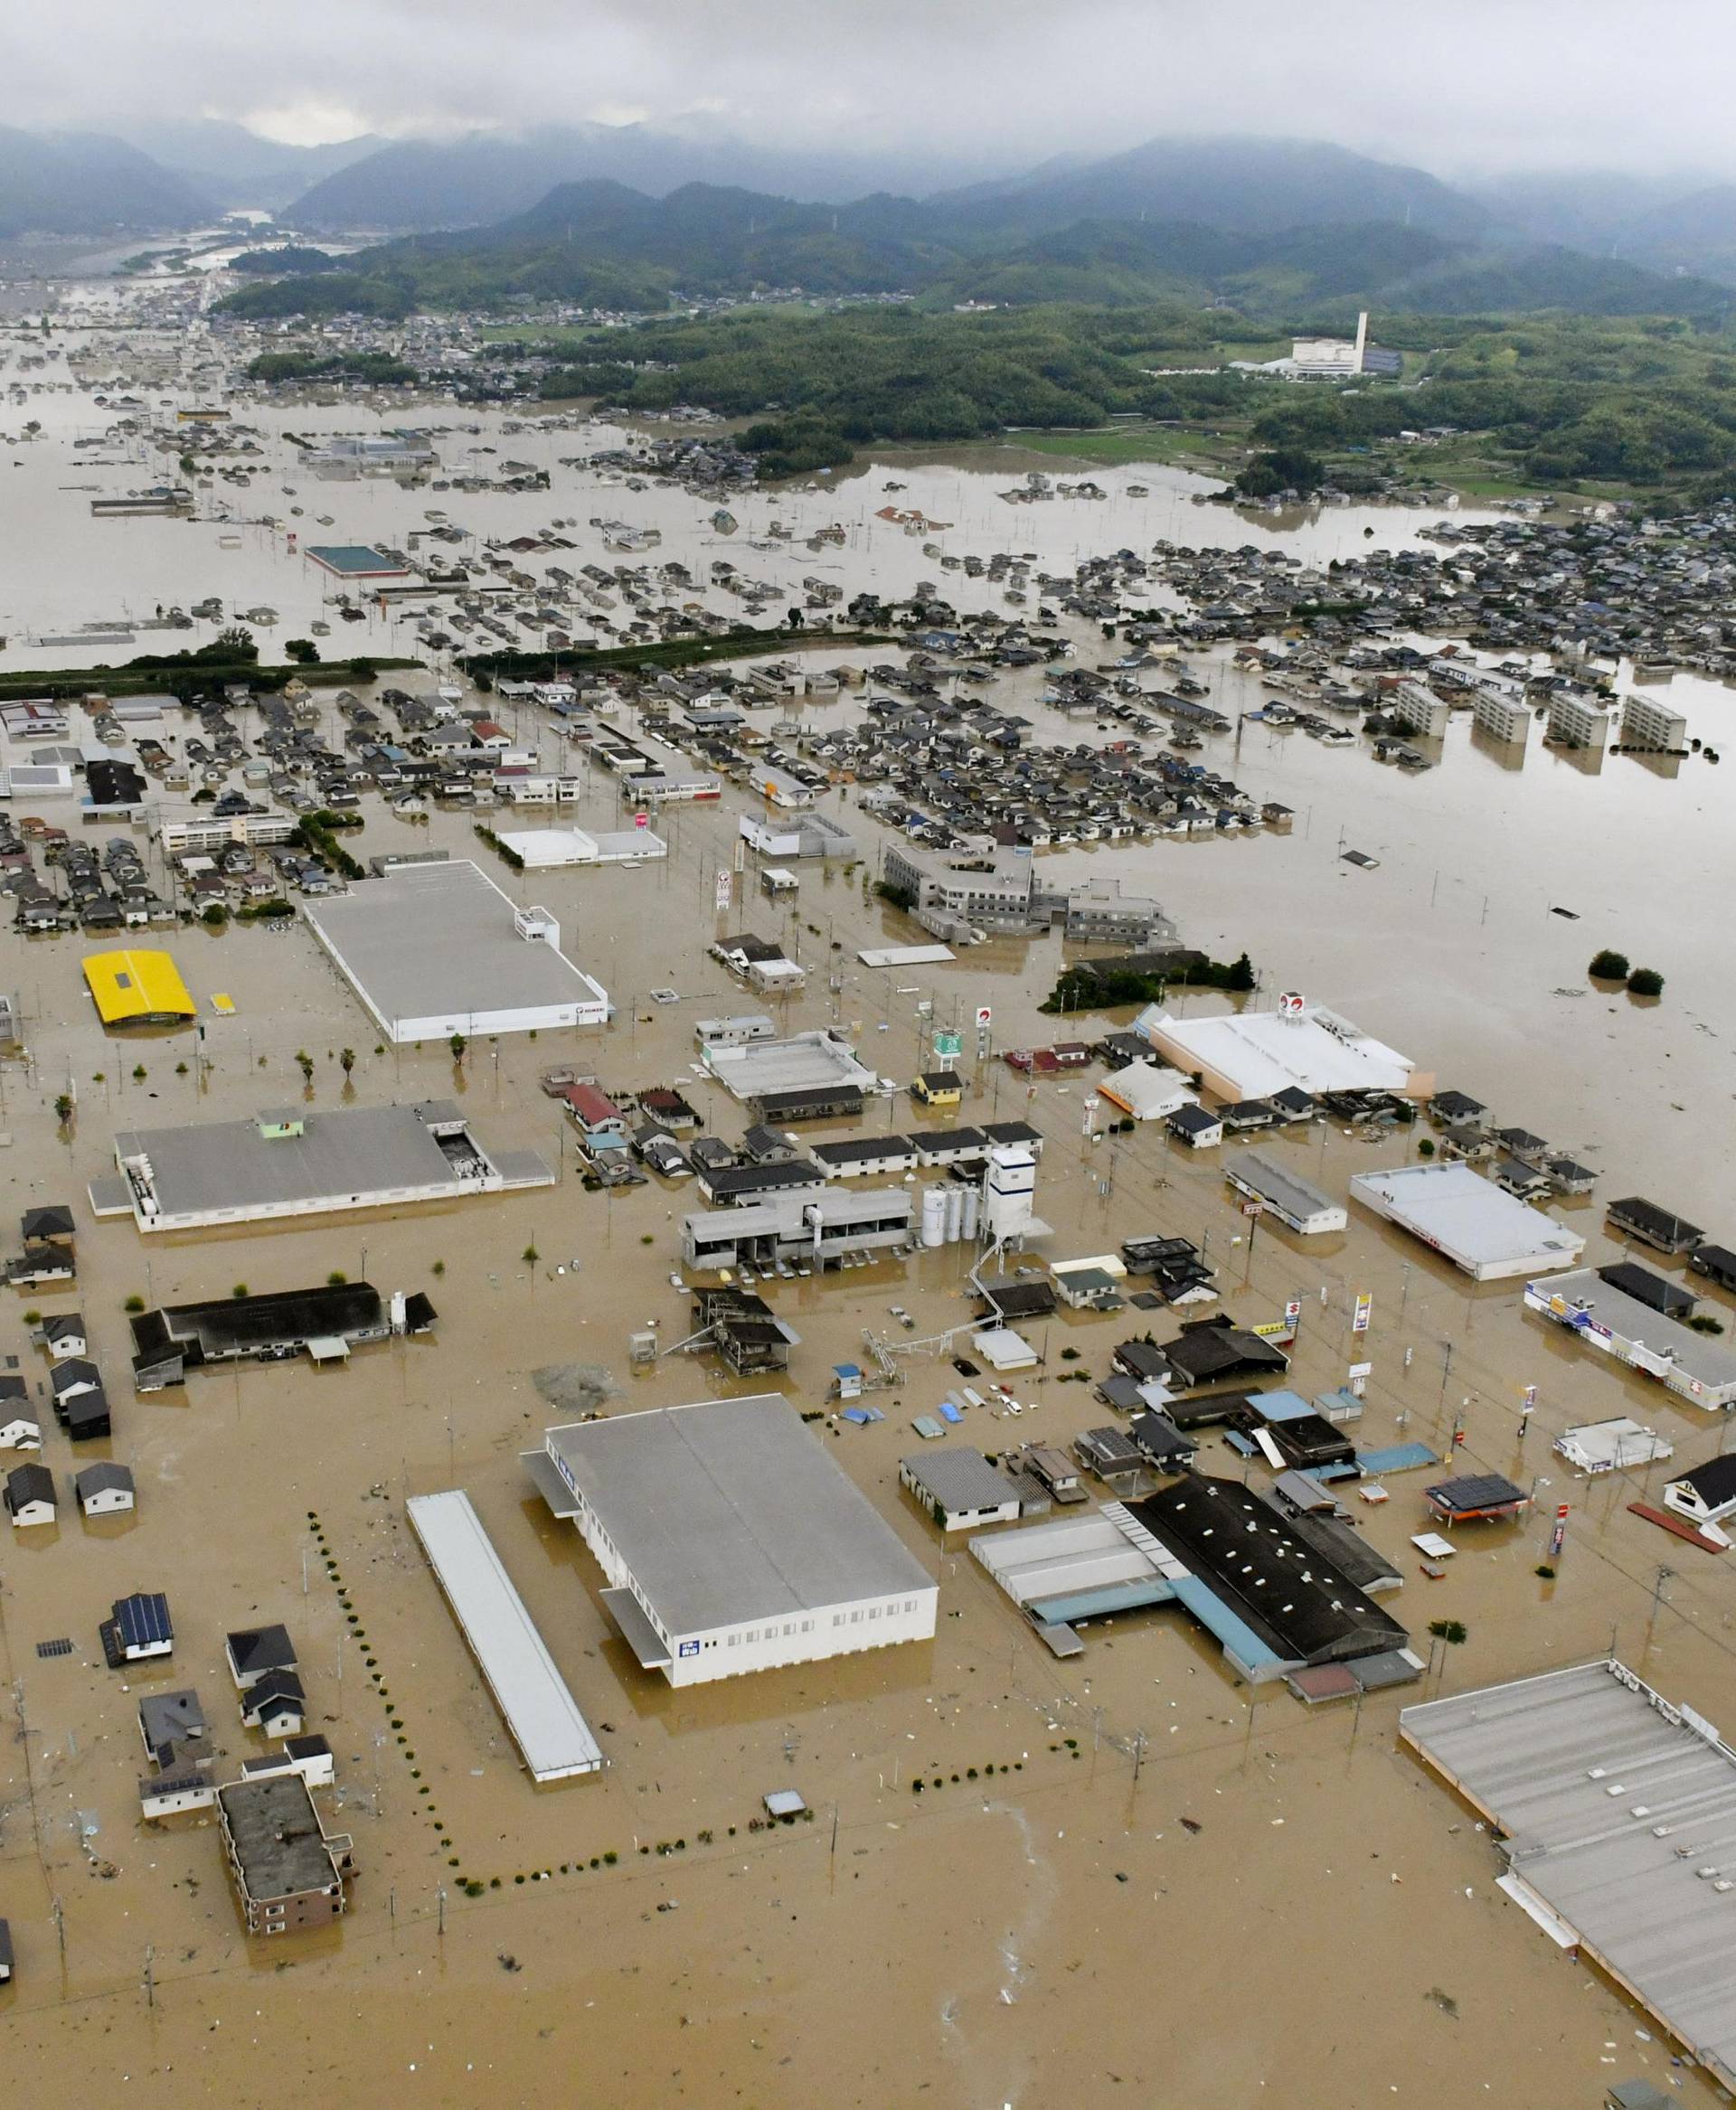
436 949
1252 1054
555 849
731 1539
808 834
1285 1194
813 1227
1490 1234
552 1736
1147 1090
292 1160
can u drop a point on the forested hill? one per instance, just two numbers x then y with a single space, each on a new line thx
603 244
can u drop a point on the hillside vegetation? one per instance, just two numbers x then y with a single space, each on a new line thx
600 244
1555 399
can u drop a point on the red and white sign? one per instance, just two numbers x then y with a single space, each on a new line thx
641 820
985 1017
1290 1005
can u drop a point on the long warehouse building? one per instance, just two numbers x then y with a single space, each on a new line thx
1615 1809
553 1737
1491 1235
289 1161
436 949
731 1539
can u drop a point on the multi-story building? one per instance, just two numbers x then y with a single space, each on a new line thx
1581 718
288 1869
1648 723
1099 910
1503 714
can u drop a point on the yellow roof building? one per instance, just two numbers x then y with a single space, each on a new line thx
138 989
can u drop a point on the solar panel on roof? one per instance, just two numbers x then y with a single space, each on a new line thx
144 1620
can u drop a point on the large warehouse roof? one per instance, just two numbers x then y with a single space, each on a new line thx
1618 1807
729 1510
542 1715
441 941
1478 1225
331 1159
1261 1052
136 988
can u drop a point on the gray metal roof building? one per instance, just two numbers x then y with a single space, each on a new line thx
552 1734
1293 1200
1619 1812
811 1061
959 1487
1700 1370
302 1162
731 1539
438 948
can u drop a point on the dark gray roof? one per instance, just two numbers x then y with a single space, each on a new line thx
1714 1482
105 1474
166 1716
277 1836
27 1483
254 1649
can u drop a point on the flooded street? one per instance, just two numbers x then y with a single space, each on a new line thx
1324 1929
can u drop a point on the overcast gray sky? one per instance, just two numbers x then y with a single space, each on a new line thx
1458 85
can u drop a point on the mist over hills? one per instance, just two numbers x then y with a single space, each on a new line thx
626 216
600 243
77 182
483 176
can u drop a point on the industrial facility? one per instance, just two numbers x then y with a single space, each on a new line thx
1614 1809
730 1540
1490 1234
291 1161
495 968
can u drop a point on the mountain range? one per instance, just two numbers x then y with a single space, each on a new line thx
623 214
1102 234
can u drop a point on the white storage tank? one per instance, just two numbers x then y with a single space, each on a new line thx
973 1204
955 1213
934 1217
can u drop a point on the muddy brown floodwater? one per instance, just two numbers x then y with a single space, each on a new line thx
1171 1889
